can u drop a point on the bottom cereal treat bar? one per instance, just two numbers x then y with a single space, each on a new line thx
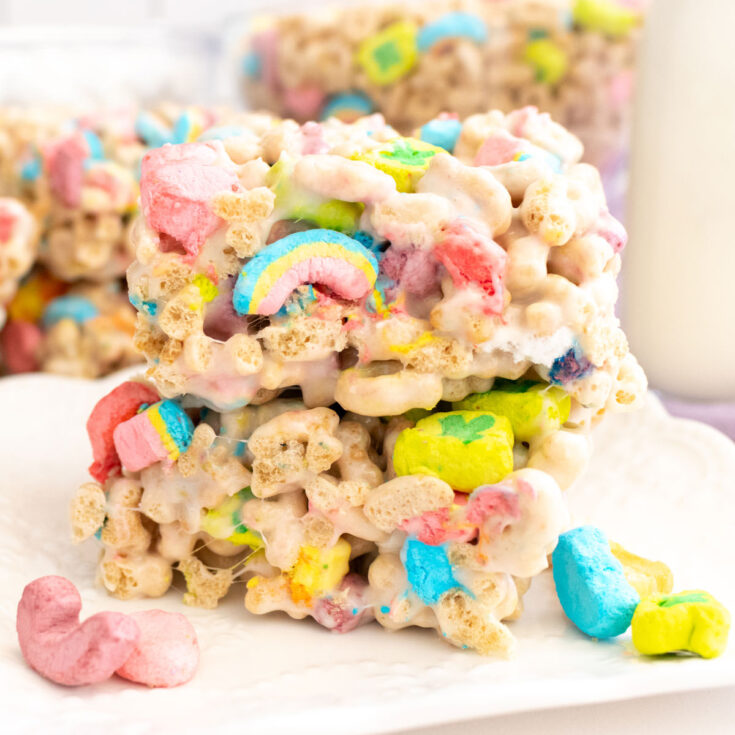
435 519
82 330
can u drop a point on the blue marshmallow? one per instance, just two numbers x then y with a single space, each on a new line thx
429 570
76 308
452 25
442 133
591 585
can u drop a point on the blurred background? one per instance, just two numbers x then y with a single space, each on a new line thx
645 85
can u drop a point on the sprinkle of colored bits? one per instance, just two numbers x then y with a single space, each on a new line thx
385 609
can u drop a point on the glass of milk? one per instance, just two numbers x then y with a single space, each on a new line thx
679 282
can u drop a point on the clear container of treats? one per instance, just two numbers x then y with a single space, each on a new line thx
412 61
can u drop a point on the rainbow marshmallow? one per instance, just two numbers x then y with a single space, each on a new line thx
159 432
319 256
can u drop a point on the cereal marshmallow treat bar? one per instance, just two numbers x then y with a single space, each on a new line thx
372 366
79 175
18 245
412 60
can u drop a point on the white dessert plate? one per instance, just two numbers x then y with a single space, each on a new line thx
660 486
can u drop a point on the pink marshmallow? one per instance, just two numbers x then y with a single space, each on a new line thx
339 275
303 102
413 269
117 406
346 609
493 506
470 257
265 44
58 647
313 139
499 148
609 229
65 161
437 527
137 443
167 653
20 343
177 185
8 220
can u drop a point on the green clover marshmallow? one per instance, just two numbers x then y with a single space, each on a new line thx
532 408
464 448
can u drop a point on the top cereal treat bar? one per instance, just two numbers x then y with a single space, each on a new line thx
378 271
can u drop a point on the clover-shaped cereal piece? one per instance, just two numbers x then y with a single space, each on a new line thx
466 623
279 521
292 448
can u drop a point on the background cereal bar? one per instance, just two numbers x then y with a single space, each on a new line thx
78 174
412 61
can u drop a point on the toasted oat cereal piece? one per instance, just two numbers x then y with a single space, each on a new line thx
204 587
397 500
87 511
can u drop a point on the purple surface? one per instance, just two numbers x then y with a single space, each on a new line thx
719 415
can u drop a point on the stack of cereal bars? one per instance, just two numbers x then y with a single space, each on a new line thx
373 364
